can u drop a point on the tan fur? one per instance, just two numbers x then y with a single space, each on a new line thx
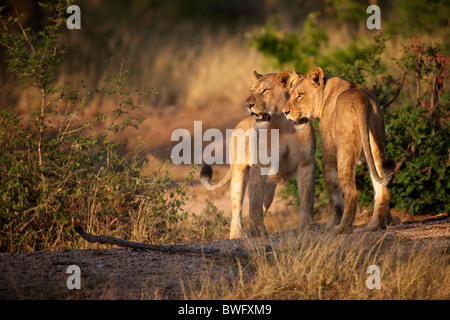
296 156
351 130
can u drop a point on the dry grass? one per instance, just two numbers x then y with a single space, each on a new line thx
320 266
141 224
192 67
196 69
198 72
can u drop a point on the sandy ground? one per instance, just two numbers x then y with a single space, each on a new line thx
121 273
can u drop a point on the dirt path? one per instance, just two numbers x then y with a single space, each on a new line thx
130 274
120 273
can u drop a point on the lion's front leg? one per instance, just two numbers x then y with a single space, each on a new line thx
237 190
334 190
306 178
256 190
269 196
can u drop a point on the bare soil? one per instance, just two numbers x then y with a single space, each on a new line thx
121 273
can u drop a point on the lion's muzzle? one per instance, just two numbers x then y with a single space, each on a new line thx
302 121
262 117
299 121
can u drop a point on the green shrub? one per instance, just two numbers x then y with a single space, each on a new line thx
56 168
288 48
417 16
422 183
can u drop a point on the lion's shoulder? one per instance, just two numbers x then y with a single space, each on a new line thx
246 123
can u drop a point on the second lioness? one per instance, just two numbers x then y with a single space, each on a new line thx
296 156
351 131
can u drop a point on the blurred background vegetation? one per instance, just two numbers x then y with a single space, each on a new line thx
199 55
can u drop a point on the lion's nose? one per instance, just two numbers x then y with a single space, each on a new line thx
287 112
250 105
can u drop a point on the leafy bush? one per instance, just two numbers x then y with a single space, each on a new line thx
422 182
288 48
309 48
56 168
417 16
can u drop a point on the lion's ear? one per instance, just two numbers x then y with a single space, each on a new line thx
283 79
256 76
295 78
315 75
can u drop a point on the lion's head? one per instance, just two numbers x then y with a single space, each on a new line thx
268 95
305 96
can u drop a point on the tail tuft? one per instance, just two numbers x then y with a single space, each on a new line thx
206 172
206 175
388 170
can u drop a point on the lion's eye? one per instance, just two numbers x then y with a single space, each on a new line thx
266 91
300 95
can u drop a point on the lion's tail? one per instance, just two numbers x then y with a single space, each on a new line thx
387 165
205 178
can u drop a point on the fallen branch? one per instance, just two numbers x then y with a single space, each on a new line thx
161 248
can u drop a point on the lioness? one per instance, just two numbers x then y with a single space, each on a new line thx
296 156
351 130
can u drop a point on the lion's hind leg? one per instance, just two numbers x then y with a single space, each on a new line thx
391 219
346 174
381 212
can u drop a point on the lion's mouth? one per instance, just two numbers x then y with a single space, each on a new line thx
262 117
302 121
